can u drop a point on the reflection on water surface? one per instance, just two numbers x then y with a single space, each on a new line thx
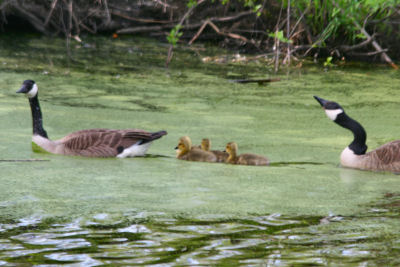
147 239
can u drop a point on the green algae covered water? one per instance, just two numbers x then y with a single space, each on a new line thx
302 210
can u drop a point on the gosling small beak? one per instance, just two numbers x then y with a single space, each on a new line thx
176 148
321 101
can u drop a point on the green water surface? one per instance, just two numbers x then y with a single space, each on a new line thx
123 83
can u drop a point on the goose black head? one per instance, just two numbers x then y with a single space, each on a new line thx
29 88
332 109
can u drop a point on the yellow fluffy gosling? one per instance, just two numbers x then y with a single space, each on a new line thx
206 146
184 151
243 159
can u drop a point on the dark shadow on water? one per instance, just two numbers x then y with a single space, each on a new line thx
288 163
152 156
23 160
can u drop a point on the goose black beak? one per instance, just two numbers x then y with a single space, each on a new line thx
176 148
23 90
321 101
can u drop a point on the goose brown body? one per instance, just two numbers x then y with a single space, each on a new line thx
220 155
102 142
185 151
244 159
384 158
91 142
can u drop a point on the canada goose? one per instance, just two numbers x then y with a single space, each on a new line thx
185 151
384 158
206 146
243 159
88 143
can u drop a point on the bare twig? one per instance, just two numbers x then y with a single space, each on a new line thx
288 33
276 41
53 5
165 5
68 29
218 31
182 20
107 11
199 32
300 19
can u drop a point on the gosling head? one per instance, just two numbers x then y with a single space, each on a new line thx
29 88
184 145
332 109
205 144
231 148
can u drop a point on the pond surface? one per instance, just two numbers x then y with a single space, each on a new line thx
302 210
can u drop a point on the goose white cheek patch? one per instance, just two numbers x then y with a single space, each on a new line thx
33 91
333 113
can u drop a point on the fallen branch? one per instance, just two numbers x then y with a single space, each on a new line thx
375 44
35 21
143 29
169 26
369 54
119 14
378 48
218 31
259 81
347 48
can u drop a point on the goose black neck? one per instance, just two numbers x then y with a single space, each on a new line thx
360 136
37 119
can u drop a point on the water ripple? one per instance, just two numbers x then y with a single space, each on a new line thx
159 240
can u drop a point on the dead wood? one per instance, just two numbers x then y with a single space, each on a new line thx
375 44
259 81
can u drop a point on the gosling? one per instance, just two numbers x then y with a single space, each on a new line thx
206 146
185 151
244 159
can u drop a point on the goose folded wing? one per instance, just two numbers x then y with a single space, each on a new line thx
389 154
102 142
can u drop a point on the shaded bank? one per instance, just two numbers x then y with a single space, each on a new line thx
284 29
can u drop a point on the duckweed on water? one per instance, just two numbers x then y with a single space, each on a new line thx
96 211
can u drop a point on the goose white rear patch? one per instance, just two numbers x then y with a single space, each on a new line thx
333 113
134 150
348 158
44 143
